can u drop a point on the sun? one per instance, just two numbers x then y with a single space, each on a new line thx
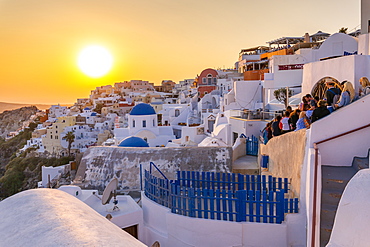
95 61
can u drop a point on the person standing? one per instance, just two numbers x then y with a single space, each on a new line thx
284 123
332 94
275 126
293 118
303 104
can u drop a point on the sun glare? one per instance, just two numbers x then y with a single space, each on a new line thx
95 61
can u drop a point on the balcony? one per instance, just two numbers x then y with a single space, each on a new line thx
255 75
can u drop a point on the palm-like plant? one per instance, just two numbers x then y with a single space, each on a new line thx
70 138
343 30
282 94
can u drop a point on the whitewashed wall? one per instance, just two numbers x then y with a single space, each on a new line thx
247 127
176 230
247 93
336 45
350 68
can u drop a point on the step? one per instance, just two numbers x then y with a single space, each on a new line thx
360 163
325 230
246 165
338 172
334 181
331 197
328 213
325 236
334 184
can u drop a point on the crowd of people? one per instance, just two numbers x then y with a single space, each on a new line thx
312 109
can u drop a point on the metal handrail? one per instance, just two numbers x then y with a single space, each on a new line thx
150 169
314 208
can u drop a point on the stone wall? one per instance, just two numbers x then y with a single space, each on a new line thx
100 164
286 154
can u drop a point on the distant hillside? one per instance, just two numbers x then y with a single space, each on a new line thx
13 120
12 106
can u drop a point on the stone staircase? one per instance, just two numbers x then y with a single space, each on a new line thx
246 165
334 180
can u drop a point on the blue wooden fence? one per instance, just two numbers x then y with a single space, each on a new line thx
231 181
252 145
251 205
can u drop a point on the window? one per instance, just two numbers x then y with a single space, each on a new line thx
177 112
153 122
133 123
144 123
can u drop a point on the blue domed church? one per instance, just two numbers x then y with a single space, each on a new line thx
143 123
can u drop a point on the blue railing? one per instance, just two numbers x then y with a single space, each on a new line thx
230 181
252 146
185 197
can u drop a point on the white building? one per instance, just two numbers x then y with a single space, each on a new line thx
85 136
56 111
143 123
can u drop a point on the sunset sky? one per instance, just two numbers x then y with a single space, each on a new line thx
150 40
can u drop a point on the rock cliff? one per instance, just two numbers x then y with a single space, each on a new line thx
100 164
13 120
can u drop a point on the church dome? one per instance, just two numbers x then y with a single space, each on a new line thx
133 141
142 109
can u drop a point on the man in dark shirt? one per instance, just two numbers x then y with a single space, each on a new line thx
331 92
320 111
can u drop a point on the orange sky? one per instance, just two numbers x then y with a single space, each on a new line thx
150 40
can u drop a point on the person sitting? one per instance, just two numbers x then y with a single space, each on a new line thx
275 126
365 86
332 93
320 112
303 122
347 95
310 100
284 123
312 108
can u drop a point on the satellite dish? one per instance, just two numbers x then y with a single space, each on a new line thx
110 191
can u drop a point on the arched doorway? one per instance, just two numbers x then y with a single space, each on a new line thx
320 88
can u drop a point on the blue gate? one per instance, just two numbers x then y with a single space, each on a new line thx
223 196
252 145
